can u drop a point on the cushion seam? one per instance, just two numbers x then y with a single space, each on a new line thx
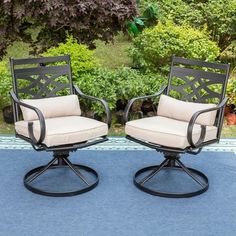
162 131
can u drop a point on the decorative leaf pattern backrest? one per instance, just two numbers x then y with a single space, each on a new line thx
197 81
41 77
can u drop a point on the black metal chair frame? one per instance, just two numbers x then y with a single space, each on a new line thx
60 153
172 155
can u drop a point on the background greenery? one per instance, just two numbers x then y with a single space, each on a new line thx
152 50
137 63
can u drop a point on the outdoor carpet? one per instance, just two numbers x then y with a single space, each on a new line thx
116 207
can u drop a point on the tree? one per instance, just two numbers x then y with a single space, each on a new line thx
50 21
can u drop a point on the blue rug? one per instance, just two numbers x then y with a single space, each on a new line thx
116 207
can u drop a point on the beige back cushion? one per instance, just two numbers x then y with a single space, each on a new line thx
180 110
52 107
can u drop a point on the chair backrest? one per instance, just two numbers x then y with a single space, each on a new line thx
41 77
197 81
36 78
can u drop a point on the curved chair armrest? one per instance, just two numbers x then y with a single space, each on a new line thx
30 124
130 103
203 127
104 103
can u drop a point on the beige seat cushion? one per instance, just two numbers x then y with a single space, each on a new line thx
165 131
52 107
65 130
180 110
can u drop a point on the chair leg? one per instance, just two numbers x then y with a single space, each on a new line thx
189 173
62 162
153 173
33 177
76 171
170 164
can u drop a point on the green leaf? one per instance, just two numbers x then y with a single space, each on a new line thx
138 21
133 29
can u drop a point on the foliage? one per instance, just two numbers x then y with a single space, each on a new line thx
148 18
153 49
218 16
86 20
82 59
98 84
132 83
5 85
229 55
120 84
231 91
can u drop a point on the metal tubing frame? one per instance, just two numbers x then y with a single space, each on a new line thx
38 145
63 162
194 174
193 148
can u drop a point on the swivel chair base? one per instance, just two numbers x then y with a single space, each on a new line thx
62 162
170 164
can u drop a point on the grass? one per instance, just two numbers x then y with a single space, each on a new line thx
4 127
228 131
113 55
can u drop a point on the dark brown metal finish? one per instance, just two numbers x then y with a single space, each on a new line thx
41 69
42 78
171 163
62 162
195 78
103 102
131 102
159 193
192 81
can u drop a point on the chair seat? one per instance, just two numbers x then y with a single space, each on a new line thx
65 130
166 131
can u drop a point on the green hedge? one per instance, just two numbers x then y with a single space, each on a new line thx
218 16
121 84
153 48
5 84
231 91
82 59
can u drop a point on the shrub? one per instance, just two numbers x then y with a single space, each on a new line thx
121 84
218 16
148 18
5 84
153 49
231 91
132 83
98 84
82 59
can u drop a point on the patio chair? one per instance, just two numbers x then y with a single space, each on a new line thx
183 125
47 115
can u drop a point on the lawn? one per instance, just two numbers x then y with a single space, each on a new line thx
113 55
4 127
